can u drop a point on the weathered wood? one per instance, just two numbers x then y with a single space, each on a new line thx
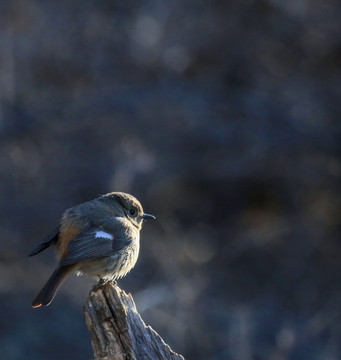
117 330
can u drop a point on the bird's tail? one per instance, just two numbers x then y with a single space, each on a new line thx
49 290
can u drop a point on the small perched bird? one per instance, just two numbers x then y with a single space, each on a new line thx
99 238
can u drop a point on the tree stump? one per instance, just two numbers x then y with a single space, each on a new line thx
117 329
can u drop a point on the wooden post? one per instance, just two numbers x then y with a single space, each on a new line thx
117 330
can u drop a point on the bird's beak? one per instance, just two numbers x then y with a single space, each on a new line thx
148 216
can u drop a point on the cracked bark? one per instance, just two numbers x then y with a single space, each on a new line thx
117 329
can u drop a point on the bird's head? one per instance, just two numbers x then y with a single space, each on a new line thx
126 205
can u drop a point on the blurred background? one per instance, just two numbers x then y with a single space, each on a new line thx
223 119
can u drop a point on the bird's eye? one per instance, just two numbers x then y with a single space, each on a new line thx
132 212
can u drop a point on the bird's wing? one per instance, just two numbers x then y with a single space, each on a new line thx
49 239
97 241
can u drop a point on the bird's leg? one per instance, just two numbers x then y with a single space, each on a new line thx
102 281
106 281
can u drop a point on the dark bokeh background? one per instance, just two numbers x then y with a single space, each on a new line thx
223 119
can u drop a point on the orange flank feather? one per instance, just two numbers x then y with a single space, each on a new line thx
67 233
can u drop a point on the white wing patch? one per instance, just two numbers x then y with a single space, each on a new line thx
103 235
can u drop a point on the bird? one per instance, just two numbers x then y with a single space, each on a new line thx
98 238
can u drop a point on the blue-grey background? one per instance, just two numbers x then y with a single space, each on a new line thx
223 118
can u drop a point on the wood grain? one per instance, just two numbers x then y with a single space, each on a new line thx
117 329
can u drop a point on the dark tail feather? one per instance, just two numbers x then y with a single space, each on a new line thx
49 290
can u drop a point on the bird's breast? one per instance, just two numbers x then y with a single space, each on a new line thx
121 265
